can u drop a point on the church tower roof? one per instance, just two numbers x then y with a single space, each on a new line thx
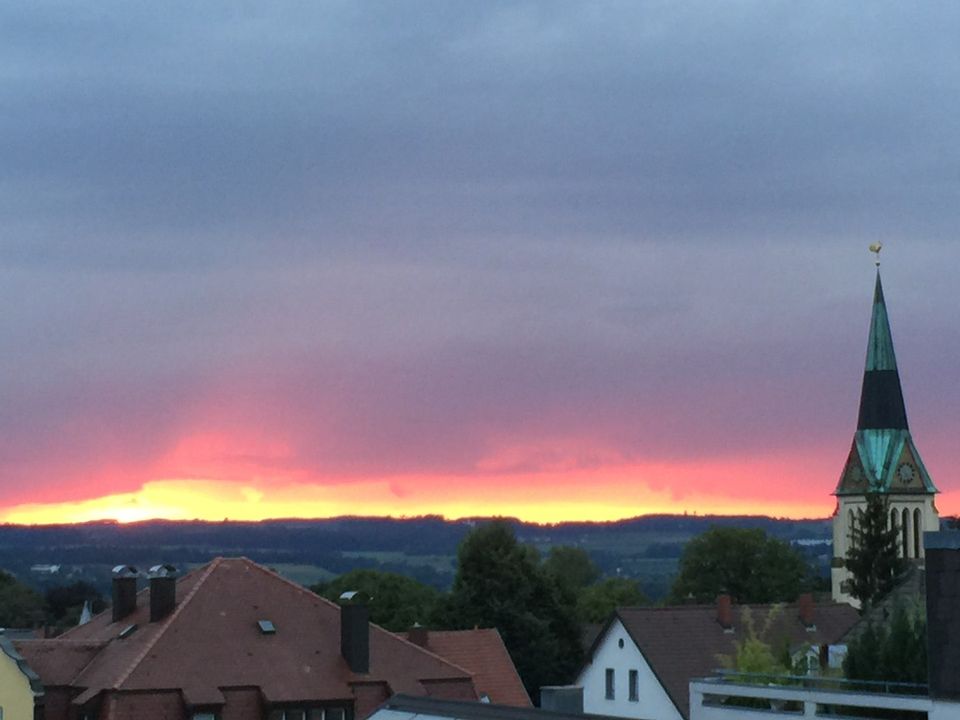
881 398
883 457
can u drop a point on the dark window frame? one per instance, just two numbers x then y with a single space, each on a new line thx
633 686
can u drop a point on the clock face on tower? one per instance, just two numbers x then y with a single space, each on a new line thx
906 473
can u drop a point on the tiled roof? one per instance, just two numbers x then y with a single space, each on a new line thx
482 652
682 643
57 662
211 640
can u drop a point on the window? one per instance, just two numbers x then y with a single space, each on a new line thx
634 686
917 546
611 690
906 548
203 716
308 713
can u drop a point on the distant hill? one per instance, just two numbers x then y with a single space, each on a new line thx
645 547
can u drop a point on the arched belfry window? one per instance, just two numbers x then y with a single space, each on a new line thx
916 533
893 525
904 533
852 524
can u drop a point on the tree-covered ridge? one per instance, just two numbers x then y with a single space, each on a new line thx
646 549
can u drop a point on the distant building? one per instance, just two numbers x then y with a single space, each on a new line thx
45 569
641 664
883 458
229 641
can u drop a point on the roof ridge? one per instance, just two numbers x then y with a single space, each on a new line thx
277 576
214 564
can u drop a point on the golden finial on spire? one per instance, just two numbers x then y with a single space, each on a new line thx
875 248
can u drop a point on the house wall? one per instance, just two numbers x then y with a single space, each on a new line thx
16 696
160 705
653 702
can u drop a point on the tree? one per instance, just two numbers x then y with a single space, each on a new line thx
572 567
397 602
596 602
873 559
500 583
753 654
20 606
897 653
64 603
748 565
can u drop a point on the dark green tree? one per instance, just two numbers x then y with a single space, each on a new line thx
396 601
596 602
571 567
64 603
894 653
20 606
500 583
872 559
749 565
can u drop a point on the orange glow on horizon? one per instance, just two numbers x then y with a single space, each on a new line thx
605 494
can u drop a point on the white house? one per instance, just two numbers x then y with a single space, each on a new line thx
641 664
619 681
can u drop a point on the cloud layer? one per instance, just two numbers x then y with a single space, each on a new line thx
318 243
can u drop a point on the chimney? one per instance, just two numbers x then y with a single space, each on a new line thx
163 591
124 591
418 635
562 698
355 630
725 612
942 563
805 611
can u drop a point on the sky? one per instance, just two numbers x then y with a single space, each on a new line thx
555 260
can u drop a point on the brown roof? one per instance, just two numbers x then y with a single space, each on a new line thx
211 640
682 643
58 662
482 652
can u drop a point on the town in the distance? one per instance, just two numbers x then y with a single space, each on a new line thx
656 618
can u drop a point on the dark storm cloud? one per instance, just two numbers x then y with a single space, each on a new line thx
399 233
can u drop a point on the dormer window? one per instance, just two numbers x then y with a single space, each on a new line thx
300 712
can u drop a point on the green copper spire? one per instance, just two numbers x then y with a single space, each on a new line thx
880 355
883 457
881 399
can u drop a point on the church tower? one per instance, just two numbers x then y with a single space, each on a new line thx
882 458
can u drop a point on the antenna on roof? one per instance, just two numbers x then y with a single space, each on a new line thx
875 248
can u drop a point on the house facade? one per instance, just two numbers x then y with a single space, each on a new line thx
619 681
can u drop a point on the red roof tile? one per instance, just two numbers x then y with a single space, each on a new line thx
482 652
211 640
58 662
